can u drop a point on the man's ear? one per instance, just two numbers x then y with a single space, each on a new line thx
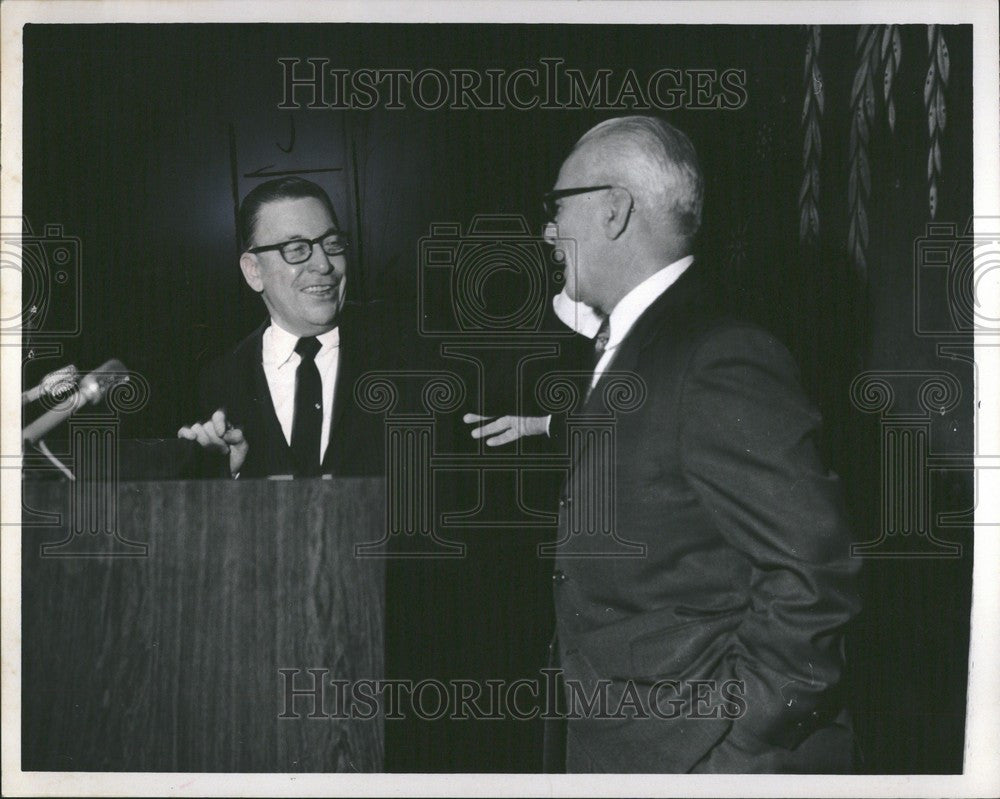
617 212
251 271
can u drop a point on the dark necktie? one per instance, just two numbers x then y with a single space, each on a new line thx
600 344
601 339
307 423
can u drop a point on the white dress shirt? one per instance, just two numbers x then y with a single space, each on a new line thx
280 363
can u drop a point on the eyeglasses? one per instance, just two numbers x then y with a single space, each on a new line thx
551 198
297 251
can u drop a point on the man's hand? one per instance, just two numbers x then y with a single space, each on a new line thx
506 429
219 436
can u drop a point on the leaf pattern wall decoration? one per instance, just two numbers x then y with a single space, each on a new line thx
892 53
934 102
812 111
859 172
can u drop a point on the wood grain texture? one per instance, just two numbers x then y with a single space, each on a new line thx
171 662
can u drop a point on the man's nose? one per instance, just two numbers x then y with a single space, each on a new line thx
319 261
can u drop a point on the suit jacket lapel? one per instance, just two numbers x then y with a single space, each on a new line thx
343 392
349 362
278 460
669 306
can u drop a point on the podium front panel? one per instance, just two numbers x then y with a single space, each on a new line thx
202 626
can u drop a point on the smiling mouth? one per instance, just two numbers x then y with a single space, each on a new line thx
321 291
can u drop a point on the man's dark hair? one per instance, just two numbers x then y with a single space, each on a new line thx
290 188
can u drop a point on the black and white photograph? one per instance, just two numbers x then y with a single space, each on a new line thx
552 399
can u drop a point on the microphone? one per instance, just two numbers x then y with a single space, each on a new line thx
91 390
53 384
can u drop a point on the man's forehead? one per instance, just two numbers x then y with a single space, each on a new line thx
578 167
294 216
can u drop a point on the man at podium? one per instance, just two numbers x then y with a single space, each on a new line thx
282 402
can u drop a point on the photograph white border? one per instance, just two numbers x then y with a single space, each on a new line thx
982 764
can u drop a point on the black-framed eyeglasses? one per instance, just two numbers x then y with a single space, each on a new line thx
551 198
297 251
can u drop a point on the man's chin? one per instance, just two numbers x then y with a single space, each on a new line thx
329 322
319 323
325 312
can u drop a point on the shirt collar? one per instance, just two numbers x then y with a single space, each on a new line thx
630 307
279 345
577 316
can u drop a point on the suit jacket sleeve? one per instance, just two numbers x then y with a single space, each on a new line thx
748 448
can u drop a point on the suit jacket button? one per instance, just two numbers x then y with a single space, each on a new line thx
564 501
558 576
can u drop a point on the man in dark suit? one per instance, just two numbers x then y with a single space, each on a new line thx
282 403
711 613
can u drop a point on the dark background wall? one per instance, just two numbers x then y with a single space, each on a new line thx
137 139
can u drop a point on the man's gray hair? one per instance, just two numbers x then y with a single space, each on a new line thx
657 163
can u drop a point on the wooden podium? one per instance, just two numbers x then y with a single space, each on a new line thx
163 622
